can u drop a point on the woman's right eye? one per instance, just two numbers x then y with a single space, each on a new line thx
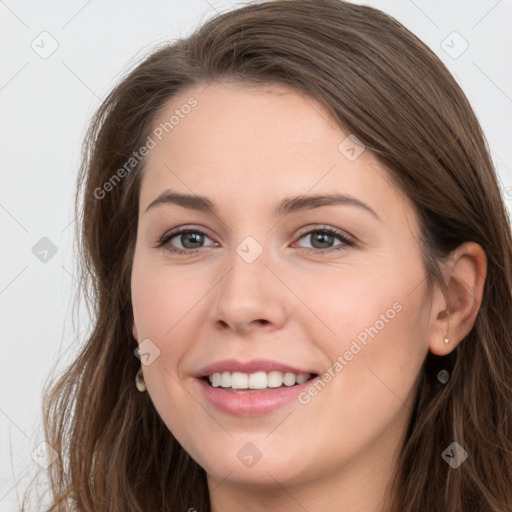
187 237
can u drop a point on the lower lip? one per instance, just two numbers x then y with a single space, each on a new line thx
253 403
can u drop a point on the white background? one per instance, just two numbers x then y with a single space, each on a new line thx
44 108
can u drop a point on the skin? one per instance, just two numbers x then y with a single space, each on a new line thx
246 148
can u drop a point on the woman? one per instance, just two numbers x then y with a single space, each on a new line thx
292 218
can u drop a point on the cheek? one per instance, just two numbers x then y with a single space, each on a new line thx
372 336
348 305
159 302
162 298
368 387
167 306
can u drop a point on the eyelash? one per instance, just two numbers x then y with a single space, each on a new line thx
346 242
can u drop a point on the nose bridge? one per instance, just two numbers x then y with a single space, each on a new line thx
249 292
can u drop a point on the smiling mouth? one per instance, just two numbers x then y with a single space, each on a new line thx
238 382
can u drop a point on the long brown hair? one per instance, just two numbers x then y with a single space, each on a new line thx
379 82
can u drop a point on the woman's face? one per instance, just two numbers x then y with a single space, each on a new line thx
257 289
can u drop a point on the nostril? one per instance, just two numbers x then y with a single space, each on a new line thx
263 321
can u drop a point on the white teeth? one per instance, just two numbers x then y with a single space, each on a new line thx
289 379
274 379
239 380
302 378
225 380
216 379
257 380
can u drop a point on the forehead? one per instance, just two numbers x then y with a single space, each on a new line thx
239 121
258 141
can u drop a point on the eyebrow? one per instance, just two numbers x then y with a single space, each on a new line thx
287 205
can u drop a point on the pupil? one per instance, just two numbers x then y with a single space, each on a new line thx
197 236
323 235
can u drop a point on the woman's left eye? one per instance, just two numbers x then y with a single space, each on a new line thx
192 238
326 235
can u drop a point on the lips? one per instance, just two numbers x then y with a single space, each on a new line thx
252 402
253 366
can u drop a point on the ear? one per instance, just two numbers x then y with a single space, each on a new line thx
134 332
454 311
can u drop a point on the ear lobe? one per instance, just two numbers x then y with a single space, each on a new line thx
465 284
134 332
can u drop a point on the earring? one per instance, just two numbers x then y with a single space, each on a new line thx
446 339
139 381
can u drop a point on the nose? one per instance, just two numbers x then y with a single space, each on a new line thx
251 297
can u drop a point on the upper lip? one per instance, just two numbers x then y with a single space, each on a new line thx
252 366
